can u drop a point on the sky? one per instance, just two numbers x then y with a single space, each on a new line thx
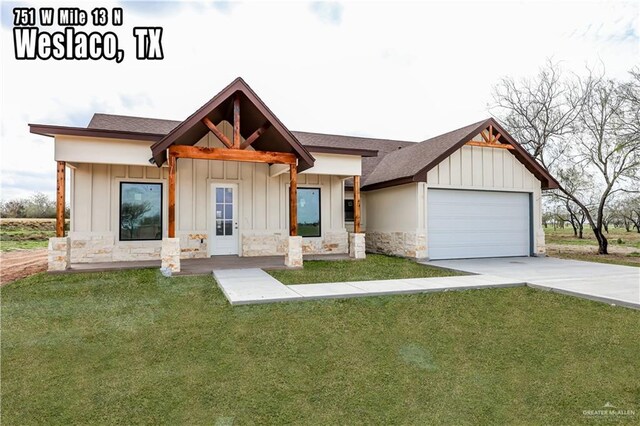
397 70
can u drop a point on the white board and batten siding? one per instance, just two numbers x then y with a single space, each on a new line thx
262 200
482 202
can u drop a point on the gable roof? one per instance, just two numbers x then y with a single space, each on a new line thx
253 114
411 164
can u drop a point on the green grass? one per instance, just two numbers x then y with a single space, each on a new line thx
133 347
374 267
616 237
22 245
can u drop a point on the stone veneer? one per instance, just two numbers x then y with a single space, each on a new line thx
357 248
540 248
193 245
59 254
170 255
102 246
293 255
405 244
255 244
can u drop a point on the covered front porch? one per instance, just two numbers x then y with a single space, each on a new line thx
228 180
202 266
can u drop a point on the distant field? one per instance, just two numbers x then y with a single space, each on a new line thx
25 234
624 247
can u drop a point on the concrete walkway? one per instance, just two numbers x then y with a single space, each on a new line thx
614 284
250 286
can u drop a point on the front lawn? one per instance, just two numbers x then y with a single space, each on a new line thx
374 267
134 347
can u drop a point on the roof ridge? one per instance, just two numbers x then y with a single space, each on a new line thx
455 130
133 116
354 137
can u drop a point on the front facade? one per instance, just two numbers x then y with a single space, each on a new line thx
254 220
232 180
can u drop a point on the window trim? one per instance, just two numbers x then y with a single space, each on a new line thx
319 212
120 211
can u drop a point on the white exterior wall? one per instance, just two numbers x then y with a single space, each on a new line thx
395 221
262 206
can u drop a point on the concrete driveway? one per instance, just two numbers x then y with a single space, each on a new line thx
613 284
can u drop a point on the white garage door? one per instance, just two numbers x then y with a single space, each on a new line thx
468 224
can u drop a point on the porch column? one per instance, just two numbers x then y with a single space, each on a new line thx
293 201
293 255
356 204
60 199
356 239
59 249
170 250
172 195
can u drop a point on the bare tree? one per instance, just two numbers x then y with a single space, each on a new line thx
582 130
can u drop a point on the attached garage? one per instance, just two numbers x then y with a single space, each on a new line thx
470 193
471 224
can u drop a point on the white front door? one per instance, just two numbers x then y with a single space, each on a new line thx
223 234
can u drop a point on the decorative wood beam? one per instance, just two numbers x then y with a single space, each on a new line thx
214 129
60 199
490 145
293 201
172 160
486 139
255 135
498 136
356 204
201 153
236 121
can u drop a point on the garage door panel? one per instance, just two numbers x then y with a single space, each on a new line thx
466 224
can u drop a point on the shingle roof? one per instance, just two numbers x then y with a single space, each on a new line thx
397 161
408 162
160 126
383 146
131 124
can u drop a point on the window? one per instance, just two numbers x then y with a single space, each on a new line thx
348 210
140 211
309 212
224 211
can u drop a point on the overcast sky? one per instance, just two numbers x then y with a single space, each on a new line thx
394 70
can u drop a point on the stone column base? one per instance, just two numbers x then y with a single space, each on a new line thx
59 256
357 246
293 253
170 254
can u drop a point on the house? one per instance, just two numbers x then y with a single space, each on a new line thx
231 179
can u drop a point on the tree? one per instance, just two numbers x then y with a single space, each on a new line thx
583 130
131 214
13 209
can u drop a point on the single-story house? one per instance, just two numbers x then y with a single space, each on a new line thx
231 179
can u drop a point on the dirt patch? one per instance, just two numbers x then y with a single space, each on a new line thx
21 263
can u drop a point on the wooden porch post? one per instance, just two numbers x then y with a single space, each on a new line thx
60 199
293 201
172 195
356 204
